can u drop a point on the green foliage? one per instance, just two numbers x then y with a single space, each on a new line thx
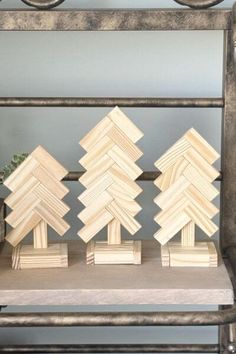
15 162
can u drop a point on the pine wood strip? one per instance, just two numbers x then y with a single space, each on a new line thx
170 230
203 185
124 162
22 210
171 175
125 124
95 189
52 184
92 228
96 152
207 226
213 254
40 234
201 202
124 200
98 169
15 197
16 257
49 163
15 236
90 212
51 218
124 182
125 143
96 134
188 235
165 199
51 200
126 220
201 165
172 154
180 203
21 174
202 146
114 233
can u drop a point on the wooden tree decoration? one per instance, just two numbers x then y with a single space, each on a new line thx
36 202
187 192
111 190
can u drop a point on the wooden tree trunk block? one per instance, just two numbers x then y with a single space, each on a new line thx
114 232
203 254
28 257
188 235
128 252
41 235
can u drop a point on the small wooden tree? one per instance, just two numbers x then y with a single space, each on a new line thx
111 190
185 201
36 202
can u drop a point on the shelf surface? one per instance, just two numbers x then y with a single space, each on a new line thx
115 284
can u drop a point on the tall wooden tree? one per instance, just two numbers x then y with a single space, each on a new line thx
36 202
110 189
186 200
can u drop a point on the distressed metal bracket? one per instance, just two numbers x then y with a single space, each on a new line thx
199 4
43 4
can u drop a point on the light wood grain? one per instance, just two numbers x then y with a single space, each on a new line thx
188 235
125 143
27 257
174 255
202 146
124 182
97 224
125 124
96 134
128 221
18 177
128 252
15 236
114 232
49 163
124 162
40 234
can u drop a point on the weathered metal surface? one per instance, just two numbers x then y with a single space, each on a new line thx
199 4
228 188
115 20
110 102
43 4
87 319
2 220
112 348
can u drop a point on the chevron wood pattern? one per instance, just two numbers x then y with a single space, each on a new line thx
186 201
109 198
36 202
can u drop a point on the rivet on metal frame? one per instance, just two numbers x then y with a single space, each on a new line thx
198 4
43 4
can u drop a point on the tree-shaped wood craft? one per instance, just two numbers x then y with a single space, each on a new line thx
186 201
109 198
36 202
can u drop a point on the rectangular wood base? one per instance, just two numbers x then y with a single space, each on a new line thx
28 257
203 254
128 252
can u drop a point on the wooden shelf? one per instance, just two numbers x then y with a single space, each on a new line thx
105 285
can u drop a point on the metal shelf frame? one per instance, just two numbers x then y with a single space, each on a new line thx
200 15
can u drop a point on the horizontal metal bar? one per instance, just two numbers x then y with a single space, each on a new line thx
112 348
145 176
101 319
110 102
115 20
